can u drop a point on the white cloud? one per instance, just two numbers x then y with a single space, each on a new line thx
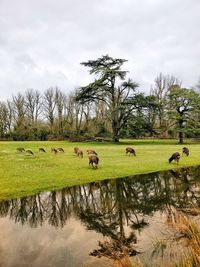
43 42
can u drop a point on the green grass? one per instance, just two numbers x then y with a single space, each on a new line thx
22 175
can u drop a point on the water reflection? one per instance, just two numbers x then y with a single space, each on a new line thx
118 209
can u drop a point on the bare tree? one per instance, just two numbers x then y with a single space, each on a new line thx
161 90
49 106
19 109
33 105
69 110
60 99
10 115
3 119
78 109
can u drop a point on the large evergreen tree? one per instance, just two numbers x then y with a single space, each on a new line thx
111 87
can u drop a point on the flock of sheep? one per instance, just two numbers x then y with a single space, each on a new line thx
93 157
176 156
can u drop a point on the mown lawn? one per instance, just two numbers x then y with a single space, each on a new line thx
22 175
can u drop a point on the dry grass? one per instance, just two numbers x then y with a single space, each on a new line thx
188 231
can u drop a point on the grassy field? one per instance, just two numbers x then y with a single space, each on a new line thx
22 175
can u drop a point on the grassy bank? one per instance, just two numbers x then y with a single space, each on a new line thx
21 174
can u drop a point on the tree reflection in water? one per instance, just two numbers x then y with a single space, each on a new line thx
118 208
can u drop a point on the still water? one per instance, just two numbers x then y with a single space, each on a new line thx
107 223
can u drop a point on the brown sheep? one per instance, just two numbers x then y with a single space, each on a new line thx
28 151
20 149
75 150
41 149
89 151
185 151
55 150
176 157
79 153
93 160
130 150
60 149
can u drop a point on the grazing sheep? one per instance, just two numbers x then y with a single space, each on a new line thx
185 151
176 157
28 151
20 149
93 160
55 150
79 153
60 149
75 150
130 150
89 151
41 149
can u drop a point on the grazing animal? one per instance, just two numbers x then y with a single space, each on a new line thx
89 151
75 150
60 149
20 149
130 150
55 150
176 157
41 149
185 151
79 153
28 151
93 160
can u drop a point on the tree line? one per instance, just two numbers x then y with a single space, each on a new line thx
110 106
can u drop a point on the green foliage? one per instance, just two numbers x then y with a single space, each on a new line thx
141 121
111 88
184 107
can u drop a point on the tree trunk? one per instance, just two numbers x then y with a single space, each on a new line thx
180 137
115 139
180 134
115 132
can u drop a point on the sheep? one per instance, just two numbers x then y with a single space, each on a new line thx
93 160
130 150
175 156
79 153
75 150
28 151
89 151
41 149
185 151
60 149
55 150
20 149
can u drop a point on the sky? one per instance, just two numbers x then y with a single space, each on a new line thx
42 42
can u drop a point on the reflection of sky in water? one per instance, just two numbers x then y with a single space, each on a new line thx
143 201
46 245
69 246
49 246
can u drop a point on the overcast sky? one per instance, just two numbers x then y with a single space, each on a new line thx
42 42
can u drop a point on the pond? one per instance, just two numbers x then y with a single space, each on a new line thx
109 223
